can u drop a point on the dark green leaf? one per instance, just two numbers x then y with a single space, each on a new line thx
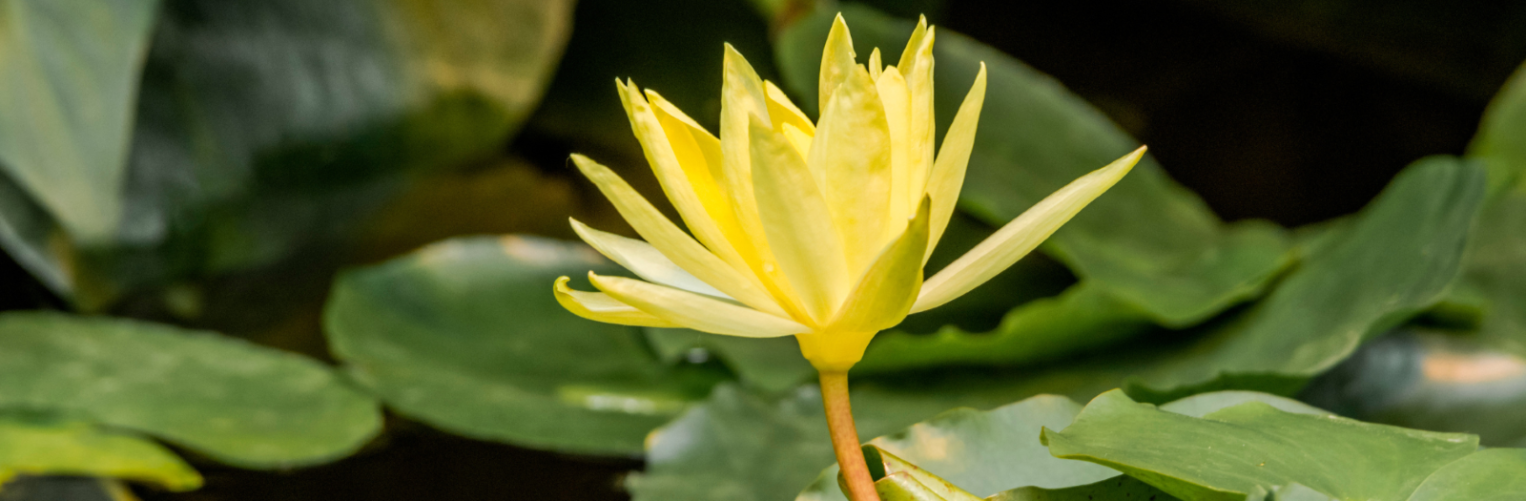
467 336
40 446
236 402
1487 475
1148 241
1430 381
1396 258
1253 448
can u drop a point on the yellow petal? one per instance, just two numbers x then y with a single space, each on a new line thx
702 313
798 222
687 183
837 62
885 293
897 103
782 111
876 67
672 241
948 172
800 140
602 308
699 155
921 122
909 54
643 260
743 100
850 159
1020 236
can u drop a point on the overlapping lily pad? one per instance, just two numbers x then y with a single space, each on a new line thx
744 445
997 453
1393 260
236 402
1148 241
466 335
1252 449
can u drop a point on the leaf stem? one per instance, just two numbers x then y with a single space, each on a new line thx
834 394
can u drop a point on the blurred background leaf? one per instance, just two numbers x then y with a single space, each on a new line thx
266 128
238 403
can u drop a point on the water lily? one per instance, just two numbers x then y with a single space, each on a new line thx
816 230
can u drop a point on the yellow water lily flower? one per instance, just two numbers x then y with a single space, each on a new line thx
813 230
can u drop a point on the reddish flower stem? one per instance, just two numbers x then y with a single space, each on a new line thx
834 394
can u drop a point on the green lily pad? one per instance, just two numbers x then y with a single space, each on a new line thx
1391 261
1253 448
1487 475
989 452
1148 241
1432 381
983 452
265 128
32 445
238 403
465 335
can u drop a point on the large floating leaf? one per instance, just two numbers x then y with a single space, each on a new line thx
1147 241
467 336
1430 381
983 452
986 452
239 403
38 445
741 446
1253 449
66 103
1392 260
264 127
1487 475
